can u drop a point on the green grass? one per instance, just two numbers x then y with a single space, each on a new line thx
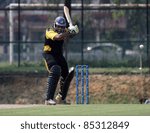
120 70
39 68
14 69
80 110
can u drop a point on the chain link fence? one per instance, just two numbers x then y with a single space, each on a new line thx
110 36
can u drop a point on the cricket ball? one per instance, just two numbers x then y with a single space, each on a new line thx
141 46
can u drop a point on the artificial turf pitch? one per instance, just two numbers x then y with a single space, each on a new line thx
78 110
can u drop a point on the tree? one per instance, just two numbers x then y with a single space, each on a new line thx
136 25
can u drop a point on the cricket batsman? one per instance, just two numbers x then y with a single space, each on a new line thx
55 62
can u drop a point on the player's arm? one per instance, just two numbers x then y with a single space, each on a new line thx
61 36
51 34
65 35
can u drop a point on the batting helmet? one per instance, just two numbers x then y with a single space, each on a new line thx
60 21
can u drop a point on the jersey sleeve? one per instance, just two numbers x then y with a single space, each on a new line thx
50 34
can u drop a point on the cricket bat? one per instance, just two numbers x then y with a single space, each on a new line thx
67 14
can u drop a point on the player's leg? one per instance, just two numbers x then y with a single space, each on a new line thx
65 80
52 81
64 73
53 78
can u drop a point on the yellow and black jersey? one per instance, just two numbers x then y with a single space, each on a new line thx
52 46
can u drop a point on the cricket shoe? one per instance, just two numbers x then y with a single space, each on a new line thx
60 101
50 102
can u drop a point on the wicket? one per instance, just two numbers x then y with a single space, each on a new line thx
82 91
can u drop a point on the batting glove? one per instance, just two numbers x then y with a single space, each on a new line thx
73 29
